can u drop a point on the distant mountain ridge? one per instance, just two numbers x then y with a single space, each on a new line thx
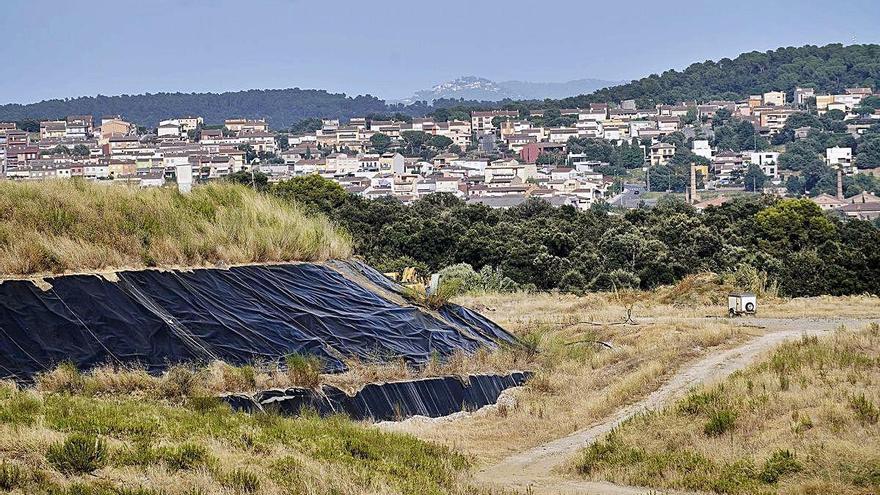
475 88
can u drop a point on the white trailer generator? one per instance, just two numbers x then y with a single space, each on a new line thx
741 303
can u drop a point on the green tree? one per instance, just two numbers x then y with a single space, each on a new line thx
754 178
254 179
794 224
415 140
380 142
439 142
868 155
312 191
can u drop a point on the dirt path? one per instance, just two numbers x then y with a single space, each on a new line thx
537 469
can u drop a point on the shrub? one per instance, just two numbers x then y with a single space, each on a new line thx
701 402
11 476
782 462
241 481
720 422
179 381
304 370
184 457
78 454
865 410
65 378
488 279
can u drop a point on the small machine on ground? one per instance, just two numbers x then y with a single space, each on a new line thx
741 303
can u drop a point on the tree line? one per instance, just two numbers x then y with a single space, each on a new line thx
807 251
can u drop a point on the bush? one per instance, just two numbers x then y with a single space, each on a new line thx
304 370
184 457
445 290
78 454
782 462
701 402
488 279
865 410
241 481
65 378
720 422
11 476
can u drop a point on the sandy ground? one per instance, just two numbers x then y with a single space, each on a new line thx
539 470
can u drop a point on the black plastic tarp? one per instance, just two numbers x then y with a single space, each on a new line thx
239 315
431 397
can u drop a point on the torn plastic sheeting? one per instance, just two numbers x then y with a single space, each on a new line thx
240 315
431 397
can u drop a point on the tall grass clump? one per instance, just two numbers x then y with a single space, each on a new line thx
78 454
74 225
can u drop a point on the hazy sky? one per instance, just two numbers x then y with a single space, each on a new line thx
60 48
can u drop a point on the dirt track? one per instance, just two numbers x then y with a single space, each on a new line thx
538 470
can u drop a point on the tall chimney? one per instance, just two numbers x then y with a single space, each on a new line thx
840 183
694 197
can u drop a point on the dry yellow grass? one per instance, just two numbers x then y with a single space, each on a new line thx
805 419
579 381
68 226
181 382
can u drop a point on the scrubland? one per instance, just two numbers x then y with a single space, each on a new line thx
803 420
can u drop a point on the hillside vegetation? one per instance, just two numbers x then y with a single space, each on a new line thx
68 444
536 245
803 420
829 68
63 226
282 107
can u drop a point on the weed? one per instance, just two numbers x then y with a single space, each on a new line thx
780 463
865 410
11 476
720 422
78 454
184 457
304 370
701 402
65 378
241 481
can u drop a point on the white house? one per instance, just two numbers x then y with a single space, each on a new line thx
767 161
701 148
838 157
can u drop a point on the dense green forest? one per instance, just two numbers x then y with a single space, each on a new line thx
282 107
827 68
807 251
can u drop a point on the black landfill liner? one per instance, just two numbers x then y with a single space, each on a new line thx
238 315
391 401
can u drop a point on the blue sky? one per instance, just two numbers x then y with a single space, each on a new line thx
58 48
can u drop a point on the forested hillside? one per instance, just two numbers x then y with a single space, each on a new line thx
828 68
282 107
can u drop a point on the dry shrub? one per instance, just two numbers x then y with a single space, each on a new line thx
65 378
304 370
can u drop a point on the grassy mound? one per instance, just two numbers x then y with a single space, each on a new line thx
68 226
70 444
804 420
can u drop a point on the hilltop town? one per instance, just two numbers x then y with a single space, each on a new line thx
615 154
